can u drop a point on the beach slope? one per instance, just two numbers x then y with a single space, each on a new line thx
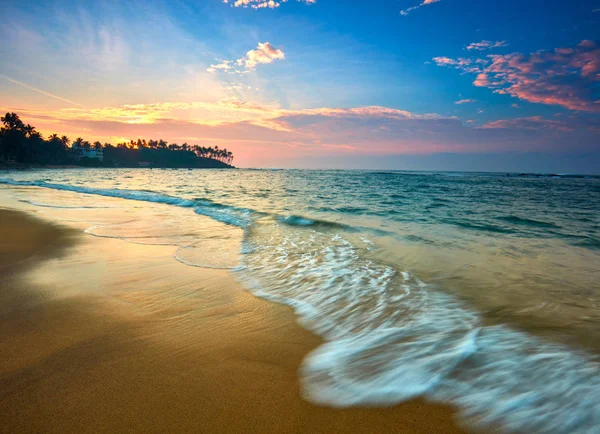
101 335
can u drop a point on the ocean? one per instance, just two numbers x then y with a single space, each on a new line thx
477 289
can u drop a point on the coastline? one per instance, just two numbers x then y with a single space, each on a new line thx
114 336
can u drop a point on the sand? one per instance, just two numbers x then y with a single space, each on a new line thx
101 335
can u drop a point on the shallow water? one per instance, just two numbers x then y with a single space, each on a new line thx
478 289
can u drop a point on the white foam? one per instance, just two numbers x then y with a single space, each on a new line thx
390 338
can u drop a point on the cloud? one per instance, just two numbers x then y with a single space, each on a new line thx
486 45
567 77
103 51
253 131
262 4
464 64
263 54
225 65
412 8
530 123
559 123
464 101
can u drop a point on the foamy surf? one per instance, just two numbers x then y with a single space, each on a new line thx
389 338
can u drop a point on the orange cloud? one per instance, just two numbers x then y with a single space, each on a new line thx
264 136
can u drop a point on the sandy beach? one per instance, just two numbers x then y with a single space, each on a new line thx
103 335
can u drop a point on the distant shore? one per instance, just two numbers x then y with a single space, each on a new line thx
4 165
110 336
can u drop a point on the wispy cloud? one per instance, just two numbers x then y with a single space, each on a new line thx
564 76
253 131
412 8
486 45
104 52
464 101
264 53
462 63
48 94
262 4
561 123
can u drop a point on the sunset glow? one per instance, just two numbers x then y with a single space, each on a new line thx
283 86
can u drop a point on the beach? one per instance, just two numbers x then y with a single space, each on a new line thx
293 301
103 335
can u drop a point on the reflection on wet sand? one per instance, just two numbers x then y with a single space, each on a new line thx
112 336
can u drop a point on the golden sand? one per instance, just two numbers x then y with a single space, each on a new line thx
101 335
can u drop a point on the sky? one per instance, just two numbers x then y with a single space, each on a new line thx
509 85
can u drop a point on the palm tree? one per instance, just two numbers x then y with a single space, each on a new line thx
52 137
65 140
87 145
29 130
12 121
78 143
97 145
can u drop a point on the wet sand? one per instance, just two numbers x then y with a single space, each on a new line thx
101 335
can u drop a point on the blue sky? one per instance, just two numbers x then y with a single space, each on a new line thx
316 83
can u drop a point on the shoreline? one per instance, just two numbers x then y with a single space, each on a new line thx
111 336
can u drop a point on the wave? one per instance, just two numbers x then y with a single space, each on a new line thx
293 220
527 222
231 215
141 195
47 205
240 217
390 337
487 227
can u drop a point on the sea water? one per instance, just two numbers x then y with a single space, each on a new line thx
478 289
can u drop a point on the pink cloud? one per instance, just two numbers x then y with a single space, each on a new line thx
464 101
531 123
482 80
563 76
253 132
412 8
264 53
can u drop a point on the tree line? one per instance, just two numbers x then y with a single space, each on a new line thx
21 143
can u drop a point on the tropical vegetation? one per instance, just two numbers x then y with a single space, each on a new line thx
21 143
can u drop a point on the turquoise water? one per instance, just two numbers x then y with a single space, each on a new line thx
482 290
